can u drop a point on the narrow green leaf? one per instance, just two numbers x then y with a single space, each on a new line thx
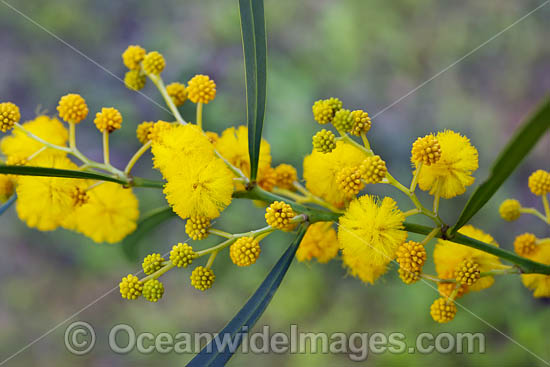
8 204
226 343
255 64
55 172
147 223
512 155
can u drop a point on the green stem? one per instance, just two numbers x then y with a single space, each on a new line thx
199 115
106 159
158 273
546 207
220 233
157 80
136 157
534 212
414 181
72 135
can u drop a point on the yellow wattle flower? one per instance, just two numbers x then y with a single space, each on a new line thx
452 173
369 233
44 202
20 145
201 186
321 171
449 255
319 242
539 283
109 215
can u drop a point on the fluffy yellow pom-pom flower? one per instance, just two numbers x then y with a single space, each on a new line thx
285 176
373 169
72 108
267 178
9 116
448 256
349 181
130 287
525 244
153 63
182 255
539 283
133 56
18 144
426 150
109 119
443 310
510 210
539 182
201 89
177 92
372 230
321 170
452 173
44 202
109 215
319 242
363 269
245 251
279 214
197 228
202 278
135 80
199 187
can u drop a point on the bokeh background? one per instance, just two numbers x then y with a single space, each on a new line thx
369 54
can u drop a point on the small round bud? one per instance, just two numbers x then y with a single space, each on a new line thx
152 263
109 119
130 287
373 169
443 310
349 181
539 182
153 63
361 122
322 112
153 290
324 141
411 256
343 121
133 56
245 251
80 197
9 116
182 255
177 92
158 127
7 187
286 175
408 276
279 214
134 80
525 244
143 130
426 150
467 272
202 278
72 108
267 178
334 103
197 227
510 210
201 89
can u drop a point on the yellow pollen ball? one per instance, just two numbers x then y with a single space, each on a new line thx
202 278
510 210
411 256
349 181
361 122
135 80
343 120
201 89
80 196
152 263
443 310
72 108
153 290
467 272
323 112
153 63
324 141
279 214
426 150
132 56
109 119
373 169
182 255
197 227
539 182
245 251
177 92
143 130
525 244
408 276
9 116
286 175
130 287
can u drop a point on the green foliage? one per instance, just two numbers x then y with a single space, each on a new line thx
255 60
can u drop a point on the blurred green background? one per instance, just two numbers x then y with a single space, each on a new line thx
369 53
